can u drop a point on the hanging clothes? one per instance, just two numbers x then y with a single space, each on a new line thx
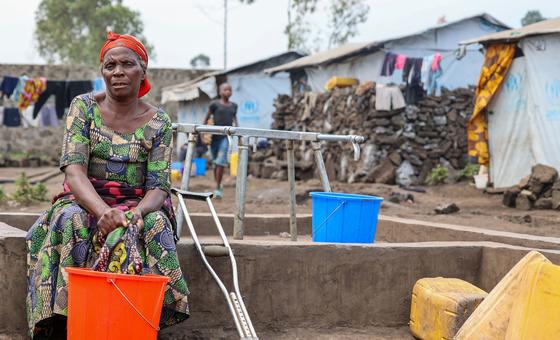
56 88
2 114
12 117
400 61
426 68
74 88
388 97
388 64
8 85
98 84
432 86
48 116
19 88
31 92
27 119
412 70
436 62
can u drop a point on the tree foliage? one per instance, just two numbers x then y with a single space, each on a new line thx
345 16
200 61
343 19
73 31
532 17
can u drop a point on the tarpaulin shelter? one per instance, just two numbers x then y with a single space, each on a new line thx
518 117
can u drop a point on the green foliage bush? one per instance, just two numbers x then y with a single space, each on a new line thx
26 193
437 176
468 172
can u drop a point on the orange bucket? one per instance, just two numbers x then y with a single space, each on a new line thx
113 306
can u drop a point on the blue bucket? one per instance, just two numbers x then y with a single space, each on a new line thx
344 218
200 165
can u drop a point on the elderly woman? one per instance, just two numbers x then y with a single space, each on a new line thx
115 213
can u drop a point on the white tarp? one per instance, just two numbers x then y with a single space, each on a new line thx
189 91
509 139
191 112
543 71
255 94
523 128
363 68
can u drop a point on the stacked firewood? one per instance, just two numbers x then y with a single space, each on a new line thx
402 145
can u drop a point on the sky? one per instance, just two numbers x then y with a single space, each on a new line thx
182 29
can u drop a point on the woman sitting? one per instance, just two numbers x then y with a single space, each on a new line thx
115 213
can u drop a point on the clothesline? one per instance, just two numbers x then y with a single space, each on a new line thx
416 71
25 99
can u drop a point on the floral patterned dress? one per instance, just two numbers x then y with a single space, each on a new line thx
122 167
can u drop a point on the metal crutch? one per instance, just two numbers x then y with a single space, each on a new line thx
234 299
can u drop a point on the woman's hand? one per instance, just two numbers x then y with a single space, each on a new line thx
137 217
111 219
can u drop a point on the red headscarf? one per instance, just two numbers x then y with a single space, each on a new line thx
128 41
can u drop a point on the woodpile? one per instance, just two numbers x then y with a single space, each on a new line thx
539 190
402 145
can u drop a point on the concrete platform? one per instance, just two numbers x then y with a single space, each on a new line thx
294 286
390 229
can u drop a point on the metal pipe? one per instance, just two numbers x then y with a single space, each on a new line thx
292 180
321 166
266 133
241 188
187 165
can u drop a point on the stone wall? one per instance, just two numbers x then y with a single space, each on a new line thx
46 142
402 145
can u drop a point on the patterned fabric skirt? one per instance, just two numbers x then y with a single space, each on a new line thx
66 236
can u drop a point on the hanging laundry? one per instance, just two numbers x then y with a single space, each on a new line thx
2 114
432 85
56 88
436 62
8 85
11 117
19 88
27 119
426 68
48 116
98 84
388 64
412 70
75 88
400 61
413 93
31 92
388 97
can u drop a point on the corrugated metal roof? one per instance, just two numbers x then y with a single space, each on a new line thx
343 51
191 89
350 50
550 26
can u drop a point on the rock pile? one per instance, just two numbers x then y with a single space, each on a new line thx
402 145
539 190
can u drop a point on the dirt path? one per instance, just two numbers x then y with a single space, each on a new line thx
271 196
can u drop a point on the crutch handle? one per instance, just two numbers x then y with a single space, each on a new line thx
199 196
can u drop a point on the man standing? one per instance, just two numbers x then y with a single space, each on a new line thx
224 113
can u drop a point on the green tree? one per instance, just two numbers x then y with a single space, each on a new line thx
532 17
73 31
344 17
200 61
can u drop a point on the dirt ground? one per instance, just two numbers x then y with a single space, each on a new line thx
271 196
